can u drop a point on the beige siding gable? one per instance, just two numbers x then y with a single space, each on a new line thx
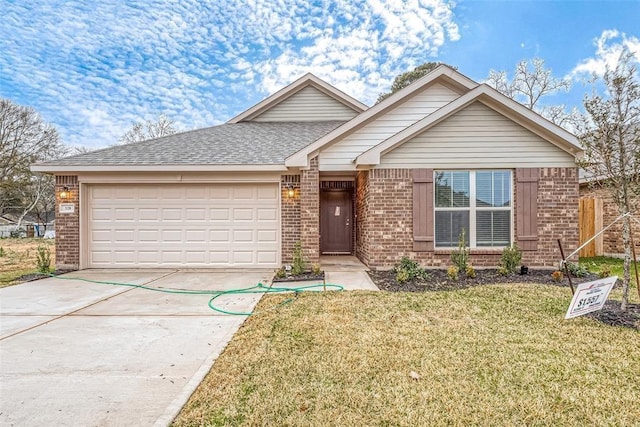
307 105
340 155
477 137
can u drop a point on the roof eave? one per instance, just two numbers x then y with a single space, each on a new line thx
71 169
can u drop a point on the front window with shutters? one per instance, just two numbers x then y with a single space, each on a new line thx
478 202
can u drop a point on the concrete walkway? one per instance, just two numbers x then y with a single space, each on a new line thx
347 271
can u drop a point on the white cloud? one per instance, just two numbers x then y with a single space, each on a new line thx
609 46
92 68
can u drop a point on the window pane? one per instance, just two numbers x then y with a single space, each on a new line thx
493 228
449 225
493 189
484 187
452 189
502 189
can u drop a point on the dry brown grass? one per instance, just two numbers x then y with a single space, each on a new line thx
493 355
18 258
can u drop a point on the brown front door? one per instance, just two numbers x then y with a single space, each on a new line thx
335 221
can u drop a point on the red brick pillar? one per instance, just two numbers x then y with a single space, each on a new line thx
67 223
310 211
290 207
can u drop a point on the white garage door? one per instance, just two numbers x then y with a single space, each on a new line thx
183 225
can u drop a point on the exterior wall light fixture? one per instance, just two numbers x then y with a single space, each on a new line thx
64 193
291 192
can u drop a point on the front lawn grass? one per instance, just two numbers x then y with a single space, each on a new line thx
490 355
18 257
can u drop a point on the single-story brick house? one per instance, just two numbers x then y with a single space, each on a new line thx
312 164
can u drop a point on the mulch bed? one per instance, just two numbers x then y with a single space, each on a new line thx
306 276
439 281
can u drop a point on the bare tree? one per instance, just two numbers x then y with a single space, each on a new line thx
531 82
612 146
43 198
149 129
24 139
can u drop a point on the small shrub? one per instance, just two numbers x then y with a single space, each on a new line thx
452 272
510 259
460 256
43 259
411 268
577 270
280 273
298 265
470 272
503 271
605 271
402 276
315 269
557 276
1 252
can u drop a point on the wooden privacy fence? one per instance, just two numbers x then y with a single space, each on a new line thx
590 220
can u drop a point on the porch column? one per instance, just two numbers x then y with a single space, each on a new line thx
310 212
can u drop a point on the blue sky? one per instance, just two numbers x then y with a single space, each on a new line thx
92 68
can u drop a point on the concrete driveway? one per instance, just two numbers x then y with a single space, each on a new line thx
77 353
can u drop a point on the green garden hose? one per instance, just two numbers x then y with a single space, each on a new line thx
256 289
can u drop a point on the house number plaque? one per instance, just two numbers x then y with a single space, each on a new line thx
66 208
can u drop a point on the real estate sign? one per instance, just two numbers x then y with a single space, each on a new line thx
590 296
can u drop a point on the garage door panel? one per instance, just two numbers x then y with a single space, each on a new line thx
219 257
267 214
148 214
196 214
243 214
195 236
267 257
243 257
246 192
219 236
182 225
219 214
172 214
267 193
267 236
97 214
243 236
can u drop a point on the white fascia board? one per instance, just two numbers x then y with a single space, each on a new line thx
300 159
287 91
156 168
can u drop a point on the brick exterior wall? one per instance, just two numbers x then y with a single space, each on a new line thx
558 198
290 207
612 238
68 225
309 211
384 205
362 222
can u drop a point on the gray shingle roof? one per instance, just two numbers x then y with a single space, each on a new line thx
249 143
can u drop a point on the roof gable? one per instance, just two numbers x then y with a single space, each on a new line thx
492 99
442 74
288 99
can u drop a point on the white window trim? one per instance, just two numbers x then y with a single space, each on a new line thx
472 208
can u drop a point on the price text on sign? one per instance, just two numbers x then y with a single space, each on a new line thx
590 296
